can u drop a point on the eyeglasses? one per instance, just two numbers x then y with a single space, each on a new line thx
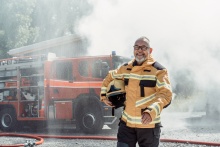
143 48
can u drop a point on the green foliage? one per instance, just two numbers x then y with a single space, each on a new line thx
57 18
24 22
15 23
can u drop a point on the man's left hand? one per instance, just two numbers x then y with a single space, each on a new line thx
146 118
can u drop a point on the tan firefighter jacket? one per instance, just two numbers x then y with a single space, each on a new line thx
147 89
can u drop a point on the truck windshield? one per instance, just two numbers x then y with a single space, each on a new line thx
119 60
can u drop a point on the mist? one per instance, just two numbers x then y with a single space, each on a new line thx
183 34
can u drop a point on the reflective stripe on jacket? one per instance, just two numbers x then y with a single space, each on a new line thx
147 88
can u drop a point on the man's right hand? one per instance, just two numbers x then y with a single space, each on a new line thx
107 102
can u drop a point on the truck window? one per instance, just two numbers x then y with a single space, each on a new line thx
83 68
100 69
64 71
96 68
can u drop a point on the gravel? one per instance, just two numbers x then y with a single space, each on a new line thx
180 126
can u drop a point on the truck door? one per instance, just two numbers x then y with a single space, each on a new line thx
61 83
61 79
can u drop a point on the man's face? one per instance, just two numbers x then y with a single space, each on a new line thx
141 50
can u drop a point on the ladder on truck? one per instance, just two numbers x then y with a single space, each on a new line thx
22 81
21 62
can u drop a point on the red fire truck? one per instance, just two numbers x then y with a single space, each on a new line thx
37 90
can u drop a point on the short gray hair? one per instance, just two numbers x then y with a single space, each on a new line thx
144 39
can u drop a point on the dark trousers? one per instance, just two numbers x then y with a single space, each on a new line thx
145 137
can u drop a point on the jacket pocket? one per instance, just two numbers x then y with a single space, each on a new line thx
148 83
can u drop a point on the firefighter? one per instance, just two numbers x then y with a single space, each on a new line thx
148 91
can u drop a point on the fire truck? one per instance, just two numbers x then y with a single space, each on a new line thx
39 90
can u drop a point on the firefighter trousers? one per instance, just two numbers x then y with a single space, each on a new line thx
145 137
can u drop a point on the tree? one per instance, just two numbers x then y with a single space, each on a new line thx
56 18
15 24
26 22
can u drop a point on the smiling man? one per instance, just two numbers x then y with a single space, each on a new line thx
142 50
148 91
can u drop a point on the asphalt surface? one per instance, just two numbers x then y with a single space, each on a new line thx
181 126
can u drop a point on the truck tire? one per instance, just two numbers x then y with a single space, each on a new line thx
89 116
118 113
8 120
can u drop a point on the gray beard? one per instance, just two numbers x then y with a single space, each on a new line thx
140 61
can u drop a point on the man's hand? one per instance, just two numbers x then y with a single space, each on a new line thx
107 102
146 118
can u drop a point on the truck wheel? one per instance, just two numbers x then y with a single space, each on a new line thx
89 116
8 121
118 113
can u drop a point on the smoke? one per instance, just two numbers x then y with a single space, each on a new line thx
183 34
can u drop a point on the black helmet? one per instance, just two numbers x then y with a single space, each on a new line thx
116 93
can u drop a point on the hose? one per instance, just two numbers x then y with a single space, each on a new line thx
191 142
114 138
40 140
41 136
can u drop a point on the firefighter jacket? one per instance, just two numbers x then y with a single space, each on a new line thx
147 89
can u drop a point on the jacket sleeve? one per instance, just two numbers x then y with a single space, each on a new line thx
105 83
113 74
163 94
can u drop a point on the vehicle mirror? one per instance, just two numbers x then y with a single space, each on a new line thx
105 69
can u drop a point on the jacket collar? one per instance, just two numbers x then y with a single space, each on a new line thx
147 62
